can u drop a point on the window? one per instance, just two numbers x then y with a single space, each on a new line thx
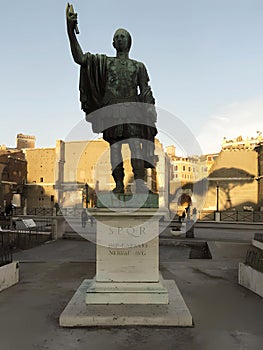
41 179
183 167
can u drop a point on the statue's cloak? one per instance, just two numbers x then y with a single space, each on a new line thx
93 77
92 87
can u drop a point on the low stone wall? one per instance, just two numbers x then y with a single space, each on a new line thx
250 278
9 275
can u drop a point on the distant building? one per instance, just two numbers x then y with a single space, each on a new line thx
63 173
41 166
233 179
70 172
259 178
205 164
25 141
236 172
186 179
239 143
171 151
13 172
182 168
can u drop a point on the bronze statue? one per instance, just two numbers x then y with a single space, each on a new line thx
115 81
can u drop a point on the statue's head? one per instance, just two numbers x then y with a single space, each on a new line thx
122 40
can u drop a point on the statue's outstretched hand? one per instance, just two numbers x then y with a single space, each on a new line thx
71 16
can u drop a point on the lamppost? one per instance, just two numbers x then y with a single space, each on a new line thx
217 213
86 194
217 197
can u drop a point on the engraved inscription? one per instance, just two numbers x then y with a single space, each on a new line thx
136 231
119 252
139 251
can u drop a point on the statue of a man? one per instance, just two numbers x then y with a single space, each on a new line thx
122 83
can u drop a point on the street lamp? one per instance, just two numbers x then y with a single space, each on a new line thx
86 194
217 213
217 197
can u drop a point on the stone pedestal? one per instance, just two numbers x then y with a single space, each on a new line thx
128 288
127 258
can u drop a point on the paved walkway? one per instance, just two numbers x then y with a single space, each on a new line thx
226 315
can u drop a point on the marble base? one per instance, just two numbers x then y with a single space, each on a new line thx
78 314
126 293
127 245
134 264
137 200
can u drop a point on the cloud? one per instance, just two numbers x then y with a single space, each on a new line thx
240 118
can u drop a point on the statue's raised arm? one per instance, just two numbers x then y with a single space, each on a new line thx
72 17
72 28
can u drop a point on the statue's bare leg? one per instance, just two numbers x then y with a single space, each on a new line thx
117 166
137 162
148 148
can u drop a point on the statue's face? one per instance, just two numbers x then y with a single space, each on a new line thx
121 40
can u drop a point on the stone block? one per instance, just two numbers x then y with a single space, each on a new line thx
250 278
9 275
136 200
79 314
126 293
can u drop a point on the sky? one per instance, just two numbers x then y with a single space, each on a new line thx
204 59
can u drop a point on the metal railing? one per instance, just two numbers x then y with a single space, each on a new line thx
40 211
11 240
72 212
255 259
205 215
6 256
258 236
232 215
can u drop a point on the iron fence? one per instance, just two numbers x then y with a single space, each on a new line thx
40 211
71 212
258 236
258 216
207 215
6 256
204 215
228 216
47 211
255 259
42 223
232 215
11 240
